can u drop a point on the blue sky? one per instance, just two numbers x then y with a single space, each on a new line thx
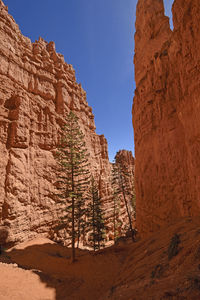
97 38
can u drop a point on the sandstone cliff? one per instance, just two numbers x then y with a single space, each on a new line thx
122 223
37 88
166 115
127 161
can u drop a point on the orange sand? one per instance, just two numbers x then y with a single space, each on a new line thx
125 271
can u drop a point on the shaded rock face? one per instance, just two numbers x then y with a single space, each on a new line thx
122 223
162 266
37 89
166 115
127 161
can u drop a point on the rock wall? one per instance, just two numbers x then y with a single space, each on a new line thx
37 88
166 114
126 160
122 223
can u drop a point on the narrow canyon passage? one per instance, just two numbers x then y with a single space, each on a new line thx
157 202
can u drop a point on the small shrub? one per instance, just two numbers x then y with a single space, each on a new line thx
157 272
168 295
173 248
195 282
120 239
152 281
112 289
57 254
197 253
3 251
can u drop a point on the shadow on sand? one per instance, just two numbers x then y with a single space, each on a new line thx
90 277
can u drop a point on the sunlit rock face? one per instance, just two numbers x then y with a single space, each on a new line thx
37 88
166 114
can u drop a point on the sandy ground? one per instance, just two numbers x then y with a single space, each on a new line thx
42 270
19 284
150 273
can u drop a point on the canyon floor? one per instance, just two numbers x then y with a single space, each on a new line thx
165 265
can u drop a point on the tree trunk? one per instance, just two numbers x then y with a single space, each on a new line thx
73 213
78 234
94 244
129 216
79 228
73 233
114 220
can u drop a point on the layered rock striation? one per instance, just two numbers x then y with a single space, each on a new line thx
126 160
166 115
37 88
115 207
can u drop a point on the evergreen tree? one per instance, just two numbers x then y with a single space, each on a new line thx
116 224
133 199
116 204
121 187
95 217
74 177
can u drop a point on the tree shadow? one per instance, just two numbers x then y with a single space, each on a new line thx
52 263
3 235
81 280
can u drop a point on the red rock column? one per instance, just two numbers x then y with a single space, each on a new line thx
166 113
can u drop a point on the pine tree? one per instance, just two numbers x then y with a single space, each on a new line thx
115 213
121 186
74 176
95 217
133 199
115 198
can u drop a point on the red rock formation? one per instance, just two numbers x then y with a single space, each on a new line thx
122 222
37 88
166 114
126 160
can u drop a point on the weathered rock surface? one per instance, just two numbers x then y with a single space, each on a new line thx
128 164
166 115
127 161
122 223
37 88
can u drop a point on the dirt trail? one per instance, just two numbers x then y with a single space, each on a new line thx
46 273
165 265
19 284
